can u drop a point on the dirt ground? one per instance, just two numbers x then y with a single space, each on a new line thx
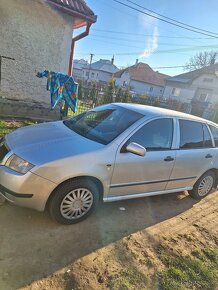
37 253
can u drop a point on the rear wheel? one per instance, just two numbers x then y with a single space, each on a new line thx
203 186
74 201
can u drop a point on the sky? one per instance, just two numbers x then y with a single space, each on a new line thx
131 35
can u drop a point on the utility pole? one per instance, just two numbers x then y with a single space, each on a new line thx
90 64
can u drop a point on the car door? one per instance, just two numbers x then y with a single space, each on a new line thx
194 156
135 174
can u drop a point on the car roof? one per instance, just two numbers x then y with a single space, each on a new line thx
156 111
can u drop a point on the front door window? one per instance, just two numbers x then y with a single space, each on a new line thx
156 135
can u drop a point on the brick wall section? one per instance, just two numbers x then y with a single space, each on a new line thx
39 38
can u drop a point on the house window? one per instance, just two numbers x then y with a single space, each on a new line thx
207 80
151 89
176 92
87 74
92 75
203 97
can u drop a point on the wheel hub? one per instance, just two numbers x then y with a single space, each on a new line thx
76 203
205 185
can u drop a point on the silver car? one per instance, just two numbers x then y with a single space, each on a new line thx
113 152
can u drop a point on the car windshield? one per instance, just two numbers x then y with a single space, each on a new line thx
103 124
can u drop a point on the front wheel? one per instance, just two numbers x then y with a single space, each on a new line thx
74 201
203 186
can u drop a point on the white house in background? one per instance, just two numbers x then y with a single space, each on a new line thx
78 65
199 85
198 89
142 80
100 71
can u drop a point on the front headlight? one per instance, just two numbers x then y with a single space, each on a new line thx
18 164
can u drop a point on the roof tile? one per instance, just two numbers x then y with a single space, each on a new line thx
190 76
142 72
78 6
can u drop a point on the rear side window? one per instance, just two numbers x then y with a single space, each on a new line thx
191 135
156 135
207 137
214 132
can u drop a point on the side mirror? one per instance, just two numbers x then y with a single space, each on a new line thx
136 149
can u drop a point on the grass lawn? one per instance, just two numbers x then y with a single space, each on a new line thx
196 271
8 126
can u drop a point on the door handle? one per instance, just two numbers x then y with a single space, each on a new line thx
169 158
208 156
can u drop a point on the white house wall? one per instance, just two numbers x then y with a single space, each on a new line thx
145 88
189 91
138 87
124 80
77 73
38 38
212 86
185 95
96 75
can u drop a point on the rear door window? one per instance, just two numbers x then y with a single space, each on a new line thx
191 135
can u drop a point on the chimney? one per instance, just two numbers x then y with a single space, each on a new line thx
112 60
137 61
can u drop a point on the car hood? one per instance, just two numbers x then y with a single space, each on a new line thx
47 142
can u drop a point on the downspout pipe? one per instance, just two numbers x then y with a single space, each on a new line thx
70 68
74 40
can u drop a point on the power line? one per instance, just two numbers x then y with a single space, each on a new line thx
142 34
166 21
194 27
125 45
115 43
135 41
160 51
166 67
119 44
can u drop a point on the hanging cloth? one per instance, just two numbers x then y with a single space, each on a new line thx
61 87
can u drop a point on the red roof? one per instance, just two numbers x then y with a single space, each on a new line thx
77 8
142 72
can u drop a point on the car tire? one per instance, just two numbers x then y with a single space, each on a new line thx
203 186
74 201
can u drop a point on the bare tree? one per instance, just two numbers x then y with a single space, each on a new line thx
201 59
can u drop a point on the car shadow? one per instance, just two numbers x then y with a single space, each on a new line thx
32 246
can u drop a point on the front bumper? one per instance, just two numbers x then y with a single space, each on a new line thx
28 190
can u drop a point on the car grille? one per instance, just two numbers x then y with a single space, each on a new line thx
3 151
